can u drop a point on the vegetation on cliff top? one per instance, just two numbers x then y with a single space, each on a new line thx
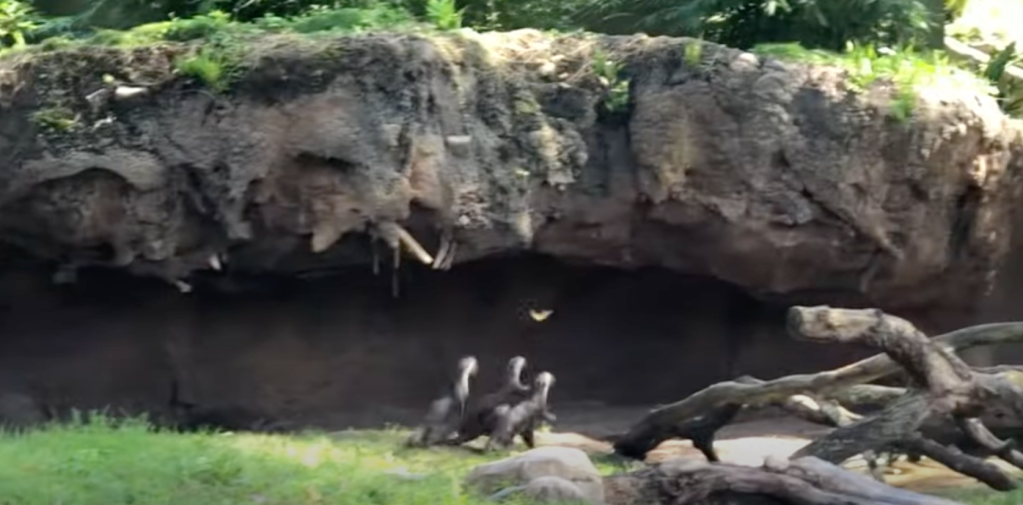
872 39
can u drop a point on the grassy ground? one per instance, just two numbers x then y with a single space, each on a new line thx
98 463
93 464
986 497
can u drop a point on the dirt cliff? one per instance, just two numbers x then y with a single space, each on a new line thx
769 178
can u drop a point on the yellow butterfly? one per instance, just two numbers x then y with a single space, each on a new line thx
540 315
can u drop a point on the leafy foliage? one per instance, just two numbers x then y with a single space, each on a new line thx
16 19
827 24
611 76
867 64
444 14
740 23
1010 91
515 14
861 29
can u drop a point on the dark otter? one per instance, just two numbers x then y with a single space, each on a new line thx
523 418
479 420
446 413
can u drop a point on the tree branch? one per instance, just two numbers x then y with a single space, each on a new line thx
671 421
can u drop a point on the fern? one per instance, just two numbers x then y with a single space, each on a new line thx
1010 92
444 14
16 20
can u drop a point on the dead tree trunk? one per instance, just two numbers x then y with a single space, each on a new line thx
946 404
804 481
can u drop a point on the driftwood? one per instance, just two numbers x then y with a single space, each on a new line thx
944 414
803 481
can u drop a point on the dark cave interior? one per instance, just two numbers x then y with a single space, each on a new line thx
338 349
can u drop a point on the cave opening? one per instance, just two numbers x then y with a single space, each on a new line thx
337 349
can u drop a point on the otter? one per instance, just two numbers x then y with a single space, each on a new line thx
479 420
524 418
446 413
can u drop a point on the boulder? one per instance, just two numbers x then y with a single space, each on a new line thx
569 465
545 490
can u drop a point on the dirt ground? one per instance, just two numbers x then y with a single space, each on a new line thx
746 443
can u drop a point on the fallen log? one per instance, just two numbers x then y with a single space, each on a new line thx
946 394
947 391
804 481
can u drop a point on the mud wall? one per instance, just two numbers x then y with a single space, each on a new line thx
341 350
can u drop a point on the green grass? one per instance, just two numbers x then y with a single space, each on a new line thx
909 71
100 463
218 24
129 463
220 43
985 496
56 119
609 72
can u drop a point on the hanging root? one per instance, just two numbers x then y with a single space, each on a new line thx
446 252
397 237
414 246
395 267
66 273
214 262
376 255
182 286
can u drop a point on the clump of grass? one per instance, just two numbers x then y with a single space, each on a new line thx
907 69
693 53
216 63
609 72
55 119
128 462
207 66
985 496
444 14
218 26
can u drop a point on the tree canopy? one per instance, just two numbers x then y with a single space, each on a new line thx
826 24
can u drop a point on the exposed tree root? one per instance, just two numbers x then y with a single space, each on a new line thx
446 252
398 237
943 415
406 239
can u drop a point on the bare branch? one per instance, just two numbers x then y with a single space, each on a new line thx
670 421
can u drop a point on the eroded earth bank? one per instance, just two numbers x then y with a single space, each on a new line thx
239 243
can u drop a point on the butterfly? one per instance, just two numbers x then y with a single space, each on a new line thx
540 315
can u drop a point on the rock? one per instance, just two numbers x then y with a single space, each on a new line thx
545 490
771 176
571 466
